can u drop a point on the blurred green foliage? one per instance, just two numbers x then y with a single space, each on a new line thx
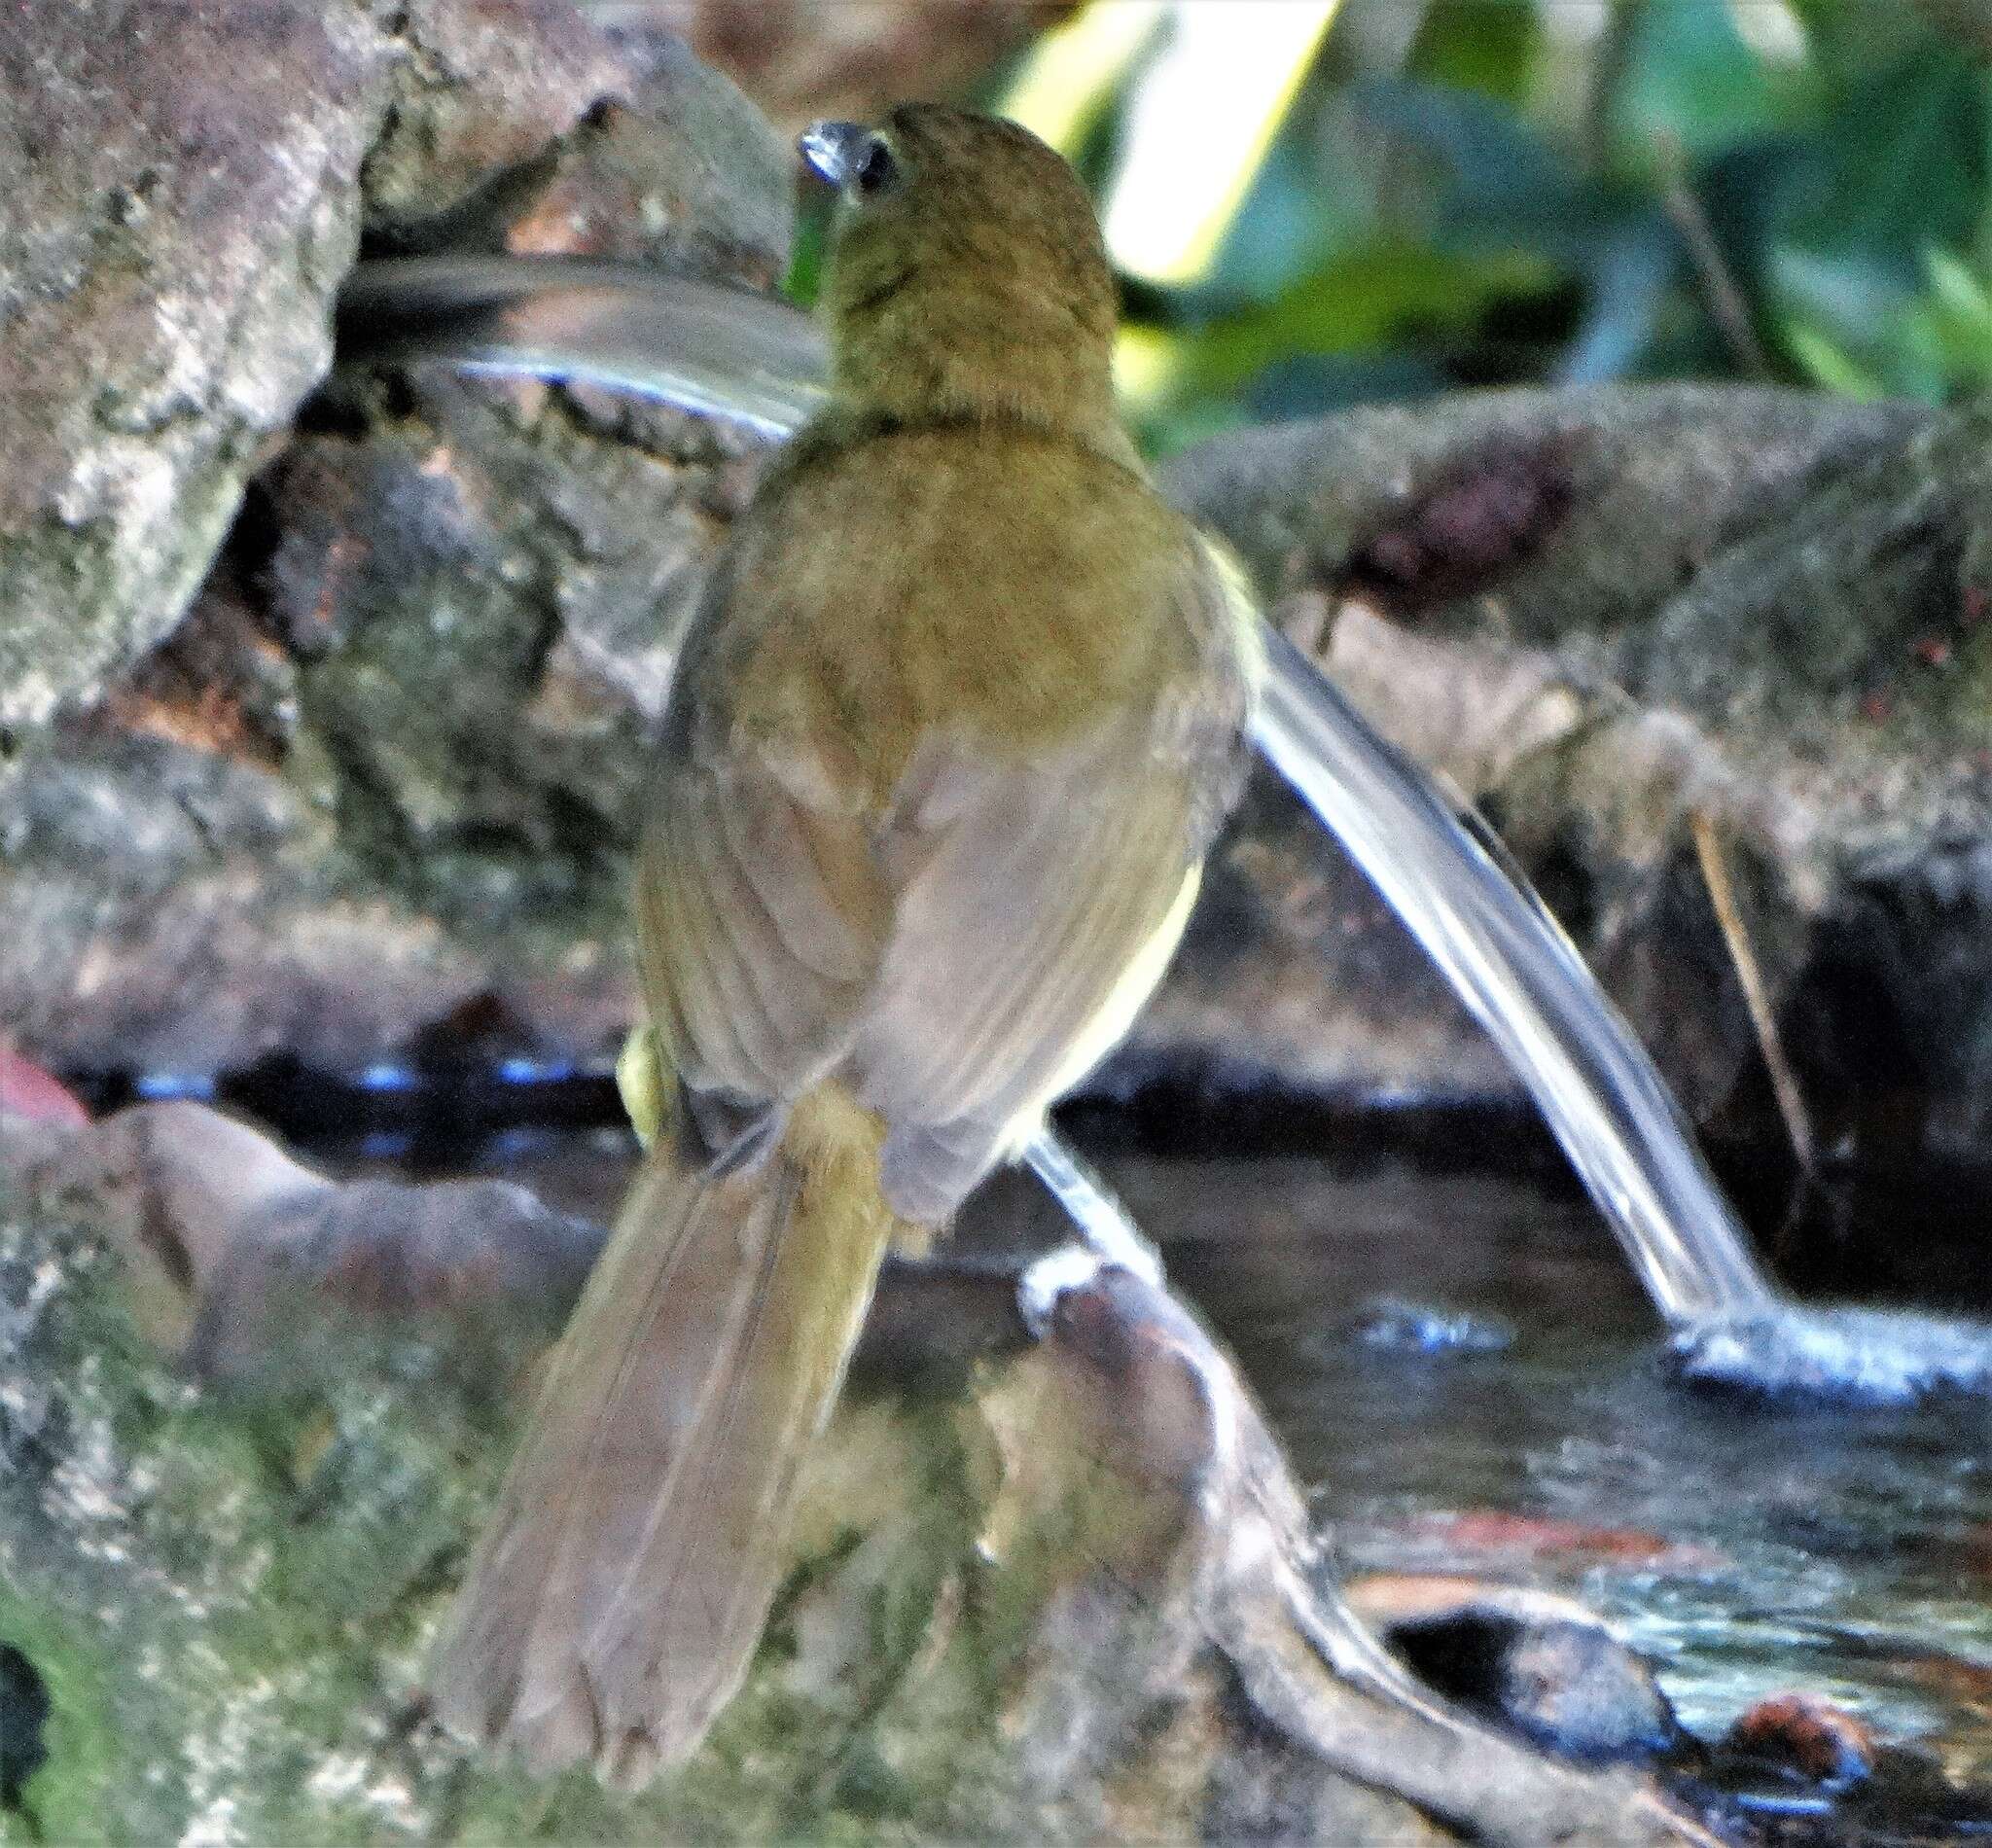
1479 192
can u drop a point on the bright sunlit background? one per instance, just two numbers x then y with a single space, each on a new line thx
1320 202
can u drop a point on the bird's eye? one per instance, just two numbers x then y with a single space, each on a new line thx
875 166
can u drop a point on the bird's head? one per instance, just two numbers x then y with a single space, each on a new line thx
966 277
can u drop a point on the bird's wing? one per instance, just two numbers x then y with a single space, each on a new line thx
1048 890
962 936
950 956
761 921
1038 895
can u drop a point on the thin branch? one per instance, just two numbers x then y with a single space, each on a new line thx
1720 292
1715 873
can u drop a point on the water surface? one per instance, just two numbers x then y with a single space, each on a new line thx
1746 1548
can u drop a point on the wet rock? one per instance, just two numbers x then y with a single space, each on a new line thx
251 1268
1077 1591
1397 1326
1806 1735
1807 1772
1642 628
1531 1659
1863 1355
1496 1534
187 184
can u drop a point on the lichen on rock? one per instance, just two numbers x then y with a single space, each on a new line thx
1052 1592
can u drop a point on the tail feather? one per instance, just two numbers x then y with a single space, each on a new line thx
614 1604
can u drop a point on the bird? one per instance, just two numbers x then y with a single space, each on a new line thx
950 734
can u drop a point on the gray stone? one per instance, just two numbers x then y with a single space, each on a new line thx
182 196
1613 618
381 768
1072 1594
1531 1659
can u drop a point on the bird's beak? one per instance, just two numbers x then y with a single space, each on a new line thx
828 147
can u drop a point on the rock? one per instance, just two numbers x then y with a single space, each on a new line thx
803 62
379 771
27 1091
1532 1659
1396 1325
1805 1735
216 1608
1075 1590
1602 615
1500 1536
253 1267
1804 1770
187 185
182 196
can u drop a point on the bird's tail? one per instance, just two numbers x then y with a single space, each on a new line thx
615 1601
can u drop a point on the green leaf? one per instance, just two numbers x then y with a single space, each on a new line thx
1361 298
1488 46
1690 85
1906 151
1826 364
1846 40
1965 299
1956 320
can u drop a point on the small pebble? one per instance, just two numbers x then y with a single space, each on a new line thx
26 1090
1809 1735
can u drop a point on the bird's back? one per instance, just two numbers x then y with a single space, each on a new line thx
1007 587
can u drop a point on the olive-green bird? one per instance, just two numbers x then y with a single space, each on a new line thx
948 738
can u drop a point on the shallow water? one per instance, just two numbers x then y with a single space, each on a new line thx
1746 1548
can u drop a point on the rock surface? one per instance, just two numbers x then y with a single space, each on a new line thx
802 63
1609 618
187 184
169 253
1534 1662
380 767
1071 1588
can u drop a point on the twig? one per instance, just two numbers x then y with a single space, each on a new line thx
1718 286
1609 64
1715 873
